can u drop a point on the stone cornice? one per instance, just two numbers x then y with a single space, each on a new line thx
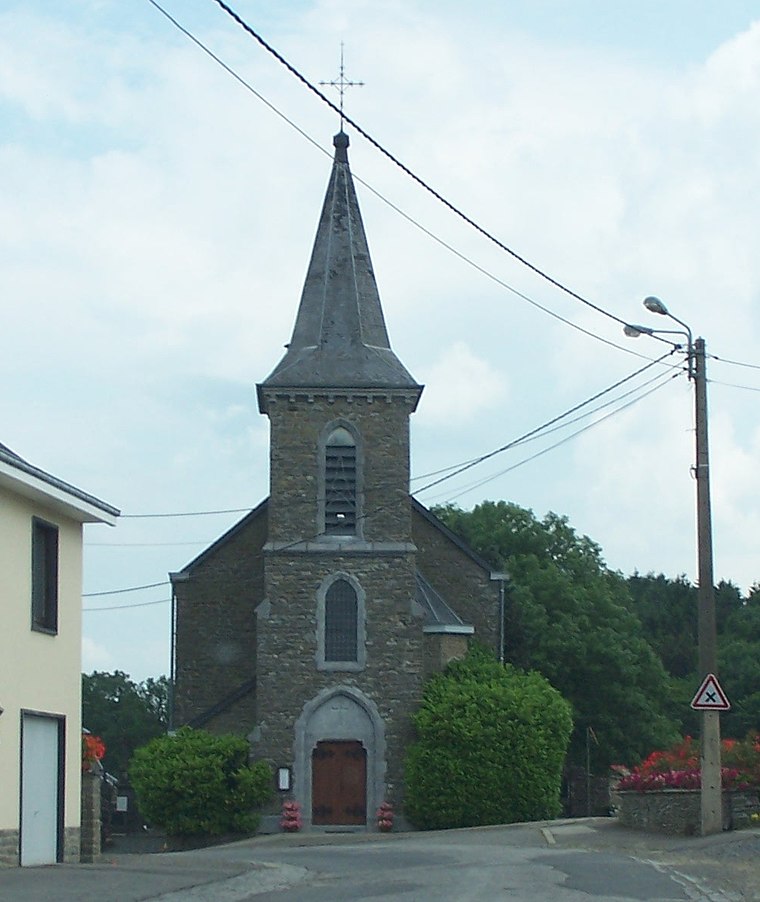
338 546
271 395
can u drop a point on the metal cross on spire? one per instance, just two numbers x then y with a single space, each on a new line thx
341 83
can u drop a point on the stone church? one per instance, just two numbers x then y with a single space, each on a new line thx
312 624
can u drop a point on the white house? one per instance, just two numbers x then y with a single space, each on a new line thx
41 528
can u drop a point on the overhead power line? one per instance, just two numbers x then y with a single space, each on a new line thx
665 381
459 493
231 510
543 426
148 544
437 195
456 470
751 366
734 385
120 591
121 607
405 169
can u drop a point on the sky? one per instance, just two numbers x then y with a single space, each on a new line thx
156 221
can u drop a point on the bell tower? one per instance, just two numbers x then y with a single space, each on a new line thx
339 658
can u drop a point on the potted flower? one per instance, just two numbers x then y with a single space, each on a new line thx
385 817
291 821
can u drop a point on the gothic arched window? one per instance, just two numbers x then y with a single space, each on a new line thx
340 498
341 631
341 622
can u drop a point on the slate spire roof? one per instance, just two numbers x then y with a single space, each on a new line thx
339 339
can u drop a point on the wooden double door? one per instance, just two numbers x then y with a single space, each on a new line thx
339 783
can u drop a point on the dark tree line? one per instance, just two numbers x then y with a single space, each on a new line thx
667 609
125 714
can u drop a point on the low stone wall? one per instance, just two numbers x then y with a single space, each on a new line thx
9 850
90 834
677 811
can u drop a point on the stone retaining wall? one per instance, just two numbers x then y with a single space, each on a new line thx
677 811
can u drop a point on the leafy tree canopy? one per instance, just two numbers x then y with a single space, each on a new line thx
667 609
569 617
125 714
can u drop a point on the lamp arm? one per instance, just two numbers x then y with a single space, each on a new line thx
690 358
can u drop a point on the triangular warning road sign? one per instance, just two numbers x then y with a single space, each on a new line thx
710 697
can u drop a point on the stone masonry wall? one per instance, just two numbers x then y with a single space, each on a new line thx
381 561
287 675
442 648
677 811
464 585
383 459
216 629
9 848
90 835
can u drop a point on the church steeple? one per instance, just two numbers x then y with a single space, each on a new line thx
340 340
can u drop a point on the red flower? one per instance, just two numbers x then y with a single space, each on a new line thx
93 750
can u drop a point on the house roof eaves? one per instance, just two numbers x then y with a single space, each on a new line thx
25 479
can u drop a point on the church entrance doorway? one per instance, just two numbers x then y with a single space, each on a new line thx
339 783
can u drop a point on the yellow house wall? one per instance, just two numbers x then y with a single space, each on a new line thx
38 672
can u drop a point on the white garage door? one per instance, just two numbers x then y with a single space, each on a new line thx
40 788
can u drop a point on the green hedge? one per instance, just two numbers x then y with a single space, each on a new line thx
491 747
194 783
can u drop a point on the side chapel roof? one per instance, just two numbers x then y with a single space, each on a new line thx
340 339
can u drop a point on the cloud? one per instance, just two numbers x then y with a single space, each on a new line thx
460 387
96 656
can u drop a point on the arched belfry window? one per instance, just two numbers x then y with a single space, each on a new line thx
341 621
341 630
340 483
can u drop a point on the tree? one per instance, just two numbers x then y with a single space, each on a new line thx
568 616
123 713
194 783
667 609
492 742
739 667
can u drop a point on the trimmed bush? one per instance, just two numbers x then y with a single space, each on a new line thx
194 783
492 743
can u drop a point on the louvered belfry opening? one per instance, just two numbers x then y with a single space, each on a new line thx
340 483
341 621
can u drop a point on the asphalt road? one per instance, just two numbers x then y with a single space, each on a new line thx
561 861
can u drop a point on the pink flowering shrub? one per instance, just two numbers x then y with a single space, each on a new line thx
679 768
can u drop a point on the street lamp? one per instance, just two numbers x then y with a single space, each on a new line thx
711 799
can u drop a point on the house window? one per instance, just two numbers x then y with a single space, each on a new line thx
341 621
341 629
340 483
44 576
